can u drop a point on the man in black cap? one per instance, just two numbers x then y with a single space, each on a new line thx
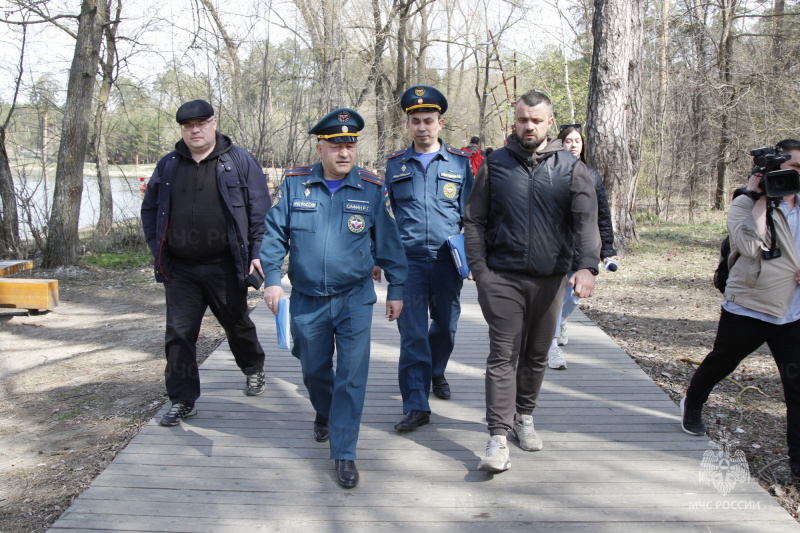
203 217
333 217
427 184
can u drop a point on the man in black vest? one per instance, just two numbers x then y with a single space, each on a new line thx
532 203
203 218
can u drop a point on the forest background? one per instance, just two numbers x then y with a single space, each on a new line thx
700 83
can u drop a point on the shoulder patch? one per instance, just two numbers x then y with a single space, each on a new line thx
395 154
371 177
298 171
456 151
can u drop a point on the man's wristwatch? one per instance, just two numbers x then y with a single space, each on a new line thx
593 270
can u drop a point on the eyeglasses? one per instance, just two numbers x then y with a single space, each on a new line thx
565 126
202 125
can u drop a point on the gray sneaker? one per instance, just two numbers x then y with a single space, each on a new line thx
555 358
525 434
177 413
562 334
255 384
496 459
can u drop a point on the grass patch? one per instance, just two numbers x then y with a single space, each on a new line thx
72 413
120 260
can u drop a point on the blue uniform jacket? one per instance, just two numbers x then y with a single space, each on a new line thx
331 238
429 207
243 191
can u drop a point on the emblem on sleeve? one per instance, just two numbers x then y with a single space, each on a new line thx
389 208
449 190
356 223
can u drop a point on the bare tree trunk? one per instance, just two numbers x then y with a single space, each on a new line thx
614 108
563 33
778 36
106 216
9 219
62 231
232 53
727 12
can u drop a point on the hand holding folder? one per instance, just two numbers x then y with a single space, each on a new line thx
456 245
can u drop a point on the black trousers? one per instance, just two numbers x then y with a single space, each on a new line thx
739 336
191 289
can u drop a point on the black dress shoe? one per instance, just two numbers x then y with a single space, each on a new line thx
346 473
413 420
441 388
321 432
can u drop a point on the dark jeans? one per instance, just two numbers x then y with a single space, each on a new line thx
435 287
739 336
521 312
191 289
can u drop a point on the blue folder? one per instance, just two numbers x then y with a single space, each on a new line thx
282 320
456 244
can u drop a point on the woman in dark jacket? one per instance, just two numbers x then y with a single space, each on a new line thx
571 138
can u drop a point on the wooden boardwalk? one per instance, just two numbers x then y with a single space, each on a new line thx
615 458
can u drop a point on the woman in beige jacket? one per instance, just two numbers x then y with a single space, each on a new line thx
762 303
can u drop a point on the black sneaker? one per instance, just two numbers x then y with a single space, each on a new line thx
177 413
691 418
255 385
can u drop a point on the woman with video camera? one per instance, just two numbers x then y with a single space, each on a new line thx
762 301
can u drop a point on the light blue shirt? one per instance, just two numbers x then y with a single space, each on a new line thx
426 159
793 312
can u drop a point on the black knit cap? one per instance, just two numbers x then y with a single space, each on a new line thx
194 109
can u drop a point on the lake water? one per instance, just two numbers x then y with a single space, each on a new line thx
35 198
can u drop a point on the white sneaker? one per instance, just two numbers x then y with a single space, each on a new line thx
562 334
555 358
496 459
526 435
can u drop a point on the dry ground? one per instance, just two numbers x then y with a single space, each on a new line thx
76 384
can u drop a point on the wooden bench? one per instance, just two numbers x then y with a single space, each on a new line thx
18 293
12 267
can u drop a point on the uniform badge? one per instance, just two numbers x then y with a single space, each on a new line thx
403 168
356 223
449 190
389 208
344 129
344 116
277 198
307 192
419 91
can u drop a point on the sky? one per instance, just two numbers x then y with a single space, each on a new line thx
165 31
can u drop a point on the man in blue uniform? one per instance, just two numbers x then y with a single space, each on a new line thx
332 215
428 184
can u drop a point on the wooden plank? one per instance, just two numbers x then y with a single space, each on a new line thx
12 267
18 293
615 458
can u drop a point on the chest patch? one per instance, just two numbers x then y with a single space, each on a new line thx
304 205
356 223
356 207
449 190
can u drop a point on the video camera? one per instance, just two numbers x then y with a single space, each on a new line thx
776 183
